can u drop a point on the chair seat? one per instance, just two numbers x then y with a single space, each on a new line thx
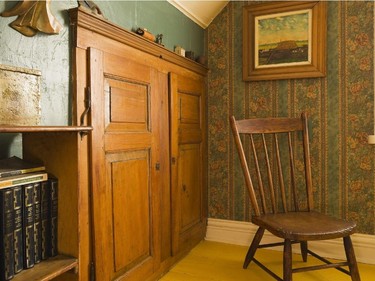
303 226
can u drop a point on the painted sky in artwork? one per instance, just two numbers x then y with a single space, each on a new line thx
281 27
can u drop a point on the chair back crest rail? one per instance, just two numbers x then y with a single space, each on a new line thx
275 158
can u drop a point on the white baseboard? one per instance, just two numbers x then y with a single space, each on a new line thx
241 233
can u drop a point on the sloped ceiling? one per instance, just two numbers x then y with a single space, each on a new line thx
201 12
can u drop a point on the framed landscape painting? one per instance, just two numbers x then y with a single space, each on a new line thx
284 40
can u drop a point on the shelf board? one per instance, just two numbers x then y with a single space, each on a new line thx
48 269
41 129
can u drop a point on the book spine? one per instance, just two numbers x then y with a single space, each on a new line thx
23 179
45 189
28 225
18 235
54 211
10 174
6 234
20 172
37 223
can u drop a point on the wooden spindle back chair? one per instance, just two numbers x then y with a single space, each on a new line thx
275 159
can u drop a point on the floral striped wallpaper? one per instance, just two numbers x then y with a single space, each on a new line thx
340 107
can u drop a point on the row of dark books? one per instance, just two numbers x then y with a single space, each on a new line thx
28 216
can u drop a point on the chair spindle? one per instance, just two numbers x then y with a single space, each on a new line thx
280 172
259 176
292 172
269 174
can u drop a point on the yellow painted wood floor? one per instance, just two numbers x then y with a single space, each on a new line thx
212 261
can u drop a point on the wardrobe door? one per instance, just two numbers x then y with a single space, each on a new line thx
130 172
188 150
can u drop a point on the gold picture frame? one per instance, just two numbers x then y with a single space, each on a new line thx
284 40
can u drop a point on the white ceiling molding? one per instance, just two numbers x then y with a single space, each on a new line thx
201 12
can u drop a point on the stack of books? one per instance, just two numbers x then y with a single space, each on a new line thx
28 216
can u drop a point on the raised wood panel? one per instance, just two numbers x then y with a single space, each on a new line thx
127 105
190 181
129 173
189 108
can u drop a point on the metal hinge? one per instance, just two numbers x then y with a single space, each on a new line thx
92 271
87 102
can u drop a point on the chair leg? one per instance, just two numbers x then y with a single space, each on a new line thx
350 256
304 250
287 261
253 247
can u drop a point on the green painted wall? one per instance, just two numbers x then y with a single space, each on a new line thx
50 53
159 17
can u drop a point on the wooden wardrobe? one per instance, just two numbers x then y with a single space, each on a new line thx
147 149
